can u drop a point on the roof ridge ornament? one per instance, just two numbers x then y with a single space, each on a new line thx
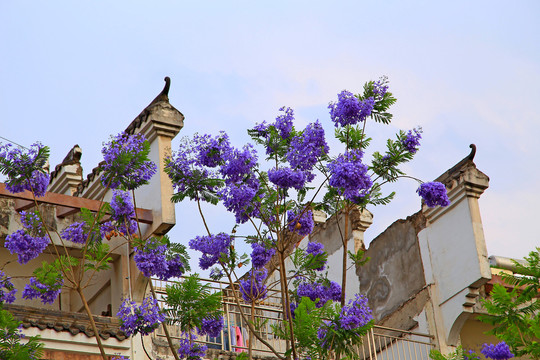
164 94
473 152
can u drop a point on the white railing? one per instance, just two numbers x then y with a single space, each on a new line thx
381 343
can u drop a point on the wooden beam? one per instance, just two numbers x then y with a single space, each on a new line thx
67 204
21 205
63 211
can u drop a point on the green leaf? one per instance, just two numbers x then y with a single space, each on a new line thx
191 301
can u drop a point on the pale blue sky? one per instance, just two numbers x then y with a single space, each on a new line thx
467 72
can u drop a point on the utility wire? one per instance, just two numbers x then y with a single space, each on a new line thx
13 142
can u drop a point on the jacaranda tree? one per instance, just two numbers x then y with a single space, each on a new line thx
275 190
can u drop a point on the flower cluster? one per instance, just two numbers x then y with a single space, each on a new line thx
411 142
142 319
315 249
189 349
191 173
211 326
287 178
32 223
433 193
501 351
239 164
242 185
380 88
46 293
349 110
151 259
123 212
252 286
316 291
355 314
211 151
27 247
24 168
212 247
121 205
284 123
282 128
260 256
303 224
187 173
74 233
5 283
349 175
238 199
115 228
126 162
306 149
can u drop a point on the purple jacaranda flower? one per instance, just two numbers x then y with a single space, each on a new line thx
189 349
411 142
303 224
239 164
238 199
355 314
211 151
175 268
32 223
284 123
380 88
315 249
143 319
152 260
24 168
349 175
252 286
471 355
287 178
122 206
187 173
7 290
74 233
211 326
433 193
27 247
501 351
349 110
260 256
319 291
212 247
307 148
262 129
46 293
126 162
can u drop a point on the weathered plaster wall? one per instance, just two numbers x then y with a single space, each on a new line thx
394 274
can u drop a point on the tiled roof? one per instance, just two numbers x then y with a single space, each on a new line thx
59 321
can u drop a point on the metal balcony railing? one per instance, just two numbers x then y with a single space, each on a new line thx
381 343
